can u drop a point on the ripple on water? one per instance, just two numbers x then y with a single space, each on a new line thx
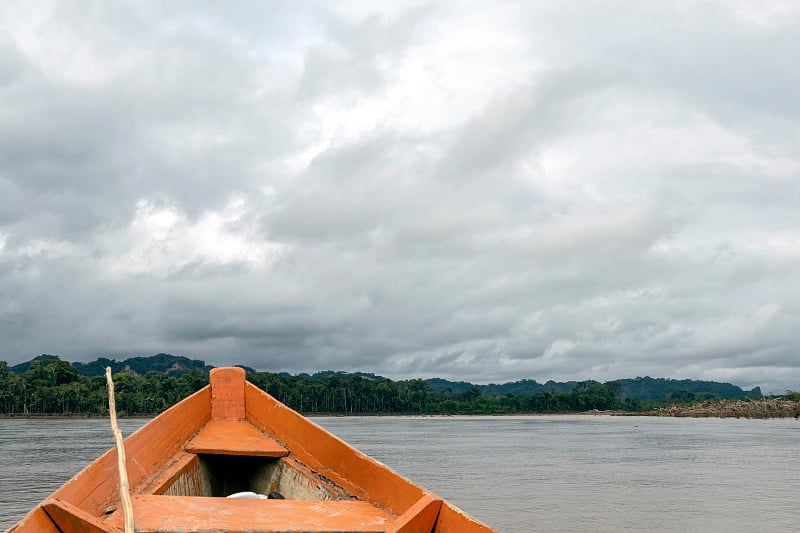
519 474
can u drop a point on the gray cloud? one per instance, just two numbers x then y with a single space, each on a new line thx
493 193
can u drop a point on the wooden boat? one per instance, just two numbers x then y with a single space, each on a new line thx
231 437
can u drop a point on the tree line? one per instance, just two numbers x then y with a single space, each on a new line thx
54 387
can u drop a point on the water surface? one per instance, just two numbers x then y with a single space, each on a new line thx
519 474
587 473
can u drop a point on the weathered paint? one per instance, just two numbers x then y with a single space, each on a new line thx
190 482
453 520
234 437
179 513
71 519
227 393
180 458
420 518
295 482
170 474
37 520
329 456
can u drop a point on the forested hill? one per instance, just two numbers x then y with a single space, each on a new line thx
48 385
162 363
640 388
648 388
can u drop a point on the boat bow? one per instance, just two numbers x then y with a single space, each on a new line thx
231 437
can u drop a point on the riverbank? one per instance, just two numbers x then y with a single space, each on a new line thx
763 409
767 408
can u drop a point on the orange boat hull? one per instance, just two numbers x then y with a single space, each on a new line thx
231 437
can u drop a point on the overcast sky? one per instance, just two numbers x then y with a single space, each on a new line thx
487 191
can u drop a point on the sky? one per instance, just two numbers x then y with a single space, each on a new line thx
480 191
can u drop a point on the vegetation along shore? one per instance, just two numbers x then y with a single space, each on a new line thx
785 407
49 386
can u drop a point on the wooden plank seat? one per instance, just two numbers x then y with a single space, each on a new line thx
234 437
182 514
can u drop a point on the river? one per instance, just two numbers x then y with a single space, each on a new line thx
518 474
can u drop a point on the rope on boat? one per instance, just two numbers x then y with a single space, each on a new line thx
124 487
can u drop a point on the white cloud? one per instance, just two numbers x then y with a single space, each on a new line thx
487 192
776 243
559 347
161 240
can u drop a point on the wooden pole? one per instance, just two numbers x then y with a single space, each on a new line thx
124 488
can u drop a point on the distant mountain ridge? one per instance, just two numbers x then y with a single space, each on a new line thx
524 386
162 363
640 388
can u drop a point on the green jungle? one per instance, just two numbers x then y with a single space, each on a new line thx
48 385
